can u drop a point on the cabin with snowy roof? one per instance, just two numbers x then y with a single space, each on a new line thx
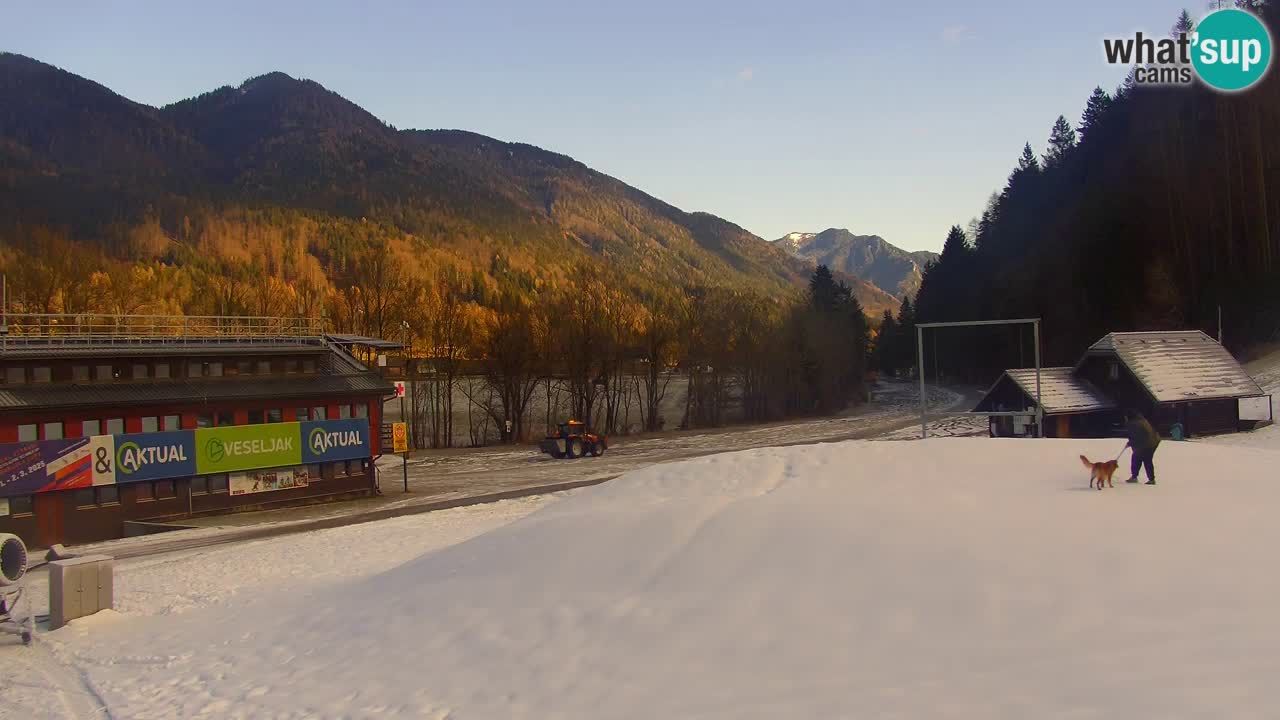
1184 379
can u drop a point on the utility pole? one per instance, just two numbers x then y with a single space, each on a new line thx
404 351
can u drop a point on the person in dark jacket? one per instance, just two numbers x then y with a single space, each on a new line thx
1143 440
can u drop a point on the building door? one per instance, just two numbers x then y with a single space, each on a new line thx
49 516
1064 426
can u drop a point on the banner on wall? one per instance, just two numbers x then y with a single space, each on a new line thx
33 467
333 440
152 456
247 483
247 447
102 459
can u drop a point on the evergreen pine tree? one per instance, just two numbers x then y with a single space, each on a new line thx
885 355
1097 106
1028 160
905 344
1183 25
955 248
1061 140
823 291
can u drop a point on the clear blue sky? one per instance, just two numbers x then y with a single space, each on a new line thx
891 118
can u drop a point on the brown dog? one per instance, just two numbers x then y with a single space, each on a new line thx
1100 471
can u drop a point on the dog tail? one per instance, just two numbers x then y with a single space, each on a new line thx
1086 462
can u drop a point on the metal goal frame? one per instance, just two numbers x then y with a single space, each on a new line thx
924 398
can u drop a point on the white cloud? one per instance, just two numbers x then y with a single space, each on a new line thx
745 74
956 34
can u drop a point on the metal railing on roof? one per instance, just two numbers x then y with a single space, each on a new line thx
29 330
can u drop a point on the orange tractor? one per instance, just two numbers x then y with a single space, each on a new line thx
574 440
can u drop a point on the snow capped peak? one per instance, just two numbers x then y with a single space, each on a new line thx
796 240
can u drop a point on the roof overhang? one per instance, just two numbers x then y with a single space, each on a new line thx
364 341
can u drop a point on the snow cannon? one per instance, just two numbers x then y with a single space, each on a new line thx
13 559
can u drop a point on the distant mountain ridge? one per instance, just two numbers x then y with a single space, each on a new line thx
76 155
870 257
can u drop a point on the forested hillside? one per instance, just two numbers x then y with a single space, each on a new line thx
279 193
1159 207
279 197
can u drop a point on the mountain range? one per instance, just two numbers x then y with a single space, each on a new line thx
891 269
280 174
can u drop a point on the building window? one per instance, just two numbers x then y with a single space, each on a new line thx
108 494
103 373
226 418
83 498
53 431
164 489
195 370
317 413
144 491
244 367
139 371
79 373
344 412
20 505
200 486
1113 371
302 414
362 410
172 422
162 371
41 375
204 420
115 426
89 428
256 417
150 423
28 433
291 366
15 375
309 367
264 367
218 483
275 415
213 369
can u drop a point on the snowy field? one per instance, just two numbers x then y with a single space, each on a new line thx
950 578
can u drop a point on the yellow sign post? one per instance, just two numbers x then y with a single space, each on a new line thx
400 437
400 446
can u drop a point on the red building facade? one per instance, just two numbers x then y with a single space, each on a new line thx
63 391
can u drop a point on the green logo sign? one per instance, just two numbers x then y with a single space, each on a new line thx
247 447
1232 50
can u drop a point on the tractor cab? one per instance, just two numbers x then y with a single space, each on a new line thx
571 428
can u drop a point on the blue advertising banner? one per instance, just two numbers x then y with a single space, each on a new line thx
150 456
33 467
332 440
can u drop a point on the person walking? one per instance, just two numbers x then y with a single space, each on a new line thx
1143 440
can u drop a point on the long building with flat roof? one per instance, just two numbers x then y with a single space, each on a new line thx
110 420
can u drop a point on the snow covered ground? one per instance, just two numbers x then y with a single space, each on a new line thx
951 578
44 681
